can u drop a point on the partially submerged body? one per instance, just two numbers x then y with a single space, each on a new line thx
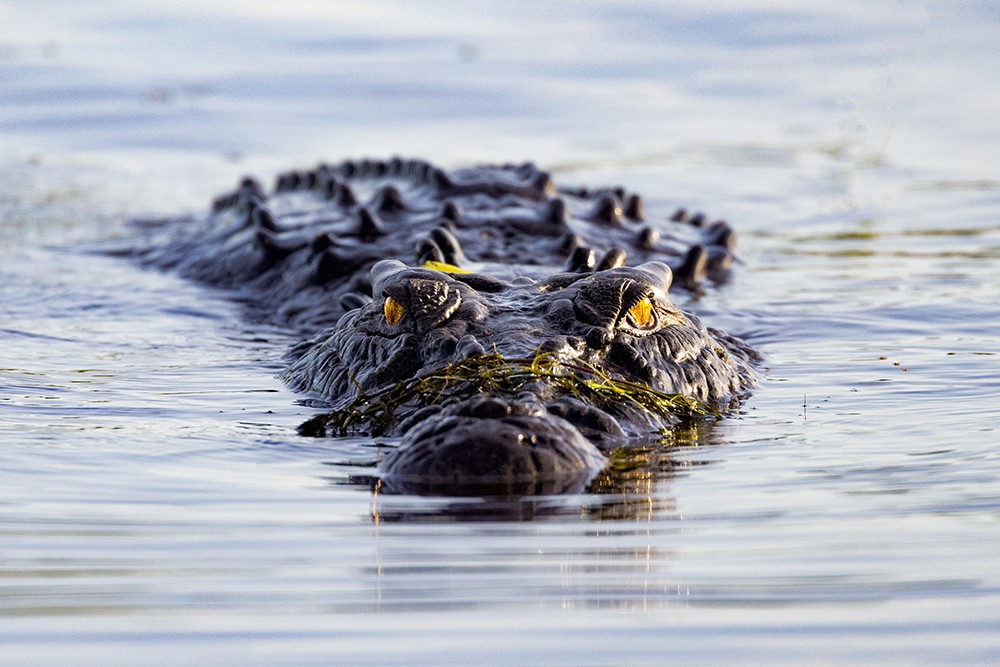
437 272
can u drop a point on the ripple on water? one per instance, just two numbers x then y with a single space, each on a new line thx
156 500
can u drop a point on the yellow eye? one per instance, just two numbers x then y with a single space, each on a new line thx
393 311
642 313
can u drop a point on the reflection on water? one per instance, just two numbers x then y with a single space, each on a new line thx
157 504
627 489
152 468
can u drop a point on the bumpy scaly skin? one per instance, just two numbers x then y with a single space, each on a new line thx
582 320
546 274
579 317
302 253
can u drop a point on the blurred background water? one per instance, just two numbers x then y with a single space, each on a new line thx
157 506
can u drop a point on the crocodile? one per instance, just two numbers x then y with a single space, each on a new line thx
542 312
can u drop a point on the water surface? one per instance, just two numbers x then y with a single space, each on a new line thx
157 505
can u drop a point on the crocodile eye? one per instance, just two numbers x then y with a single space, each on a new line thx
642 314
393 311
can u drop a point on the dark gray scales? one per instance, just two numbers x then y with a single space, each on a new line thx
396 270
302 251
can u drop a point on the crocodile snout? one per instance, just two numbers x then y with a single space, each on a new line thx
493 445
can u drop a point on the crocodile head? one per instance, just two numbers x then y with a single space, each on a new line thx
520 384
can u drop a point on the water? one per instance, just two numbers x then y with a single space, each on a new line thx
157 506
